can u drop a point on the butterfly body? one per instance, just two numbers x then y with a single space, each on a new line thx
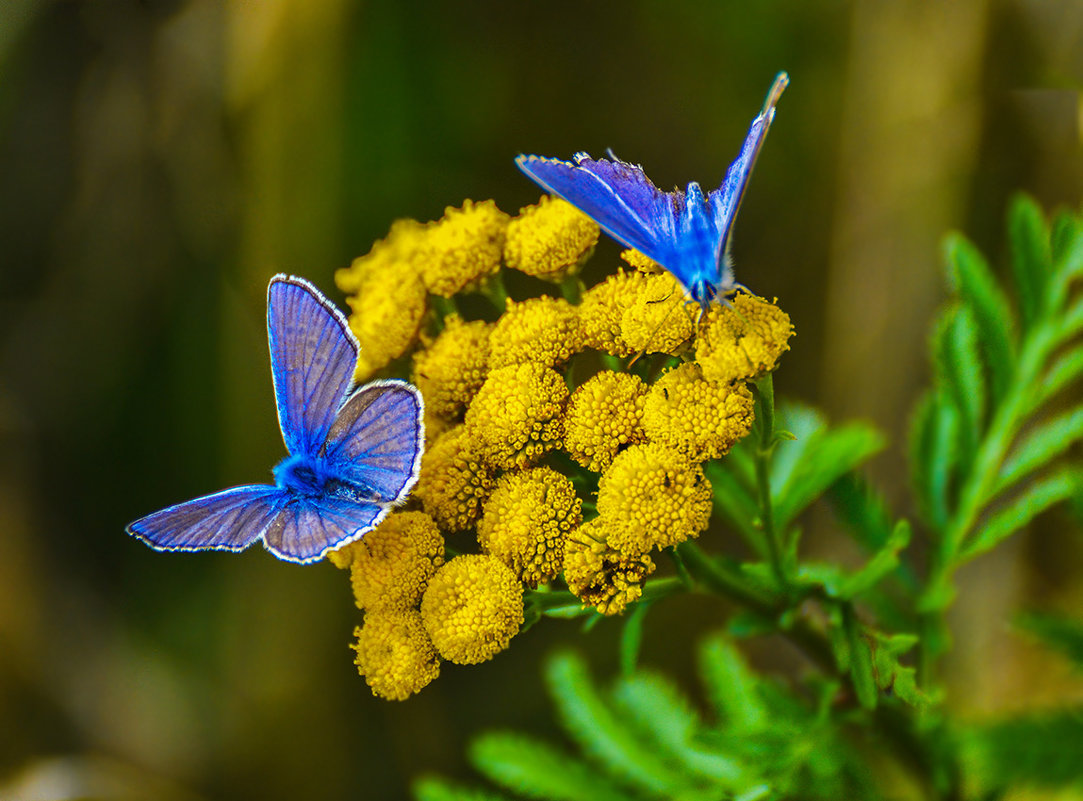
352 455
687 233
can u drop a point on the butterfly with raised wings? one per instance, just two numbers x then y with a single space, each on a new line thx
687 233
352 455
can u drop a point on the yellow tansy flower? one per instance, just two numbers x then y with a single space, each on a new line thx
744 341
700 418
543 330
641 262
654 498
600 575
395 654
550 240
604 415
462 247
516 417
397 251
602 308
472 608
658 321
392 564
526 521
450 369
454 481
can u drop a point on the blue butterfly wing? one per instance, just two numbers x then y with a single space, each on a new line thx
313 355
378 438
616 195
308 528
229 520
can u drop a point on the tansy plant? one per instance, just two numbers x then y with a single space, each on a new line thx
581 439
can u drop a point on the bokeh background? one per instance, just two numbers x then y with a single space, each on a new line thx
159 161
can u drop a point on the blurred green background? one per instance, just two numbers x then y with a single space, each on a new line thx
161 160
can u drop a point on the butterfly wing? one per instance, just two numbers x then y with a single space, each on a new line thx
308 528
378 438
313 355
616 195
726 200
229 520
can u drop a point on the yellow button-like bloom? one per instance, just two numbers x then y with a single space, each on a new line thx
517 415
526 521
543 330
550 240
450 369
658 321
700 418
392 564
387 298
462 247
641 262
654 498
602 308
600 575
744 341
604 415
472 608
395 654
454 481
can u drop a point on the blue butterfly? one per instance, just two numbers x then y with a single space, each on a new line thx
352 455
687 233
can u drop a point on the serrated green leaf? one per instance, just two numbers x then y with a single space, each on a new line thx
882 563
734 505
430 788
836 452
972 278
1064 229
1067 269
732 688
933 455
862 674
1066 370
535 769
891 675
1046 442
805 423
862 509
601 733
1061 633
961 374
1038 497
1032 259
1040 750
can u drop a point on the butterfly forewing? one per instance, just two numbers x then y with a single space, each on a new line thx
313 355
229 520
378 438
308 528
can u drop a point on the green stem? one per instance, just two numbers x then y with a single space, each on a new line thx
766 391
572 289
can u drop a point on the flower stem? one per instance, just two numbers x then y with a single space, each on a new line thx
765 391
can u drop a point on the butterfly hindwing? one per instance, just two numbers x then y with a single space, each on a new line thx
313 355
378 438
308 528
229 520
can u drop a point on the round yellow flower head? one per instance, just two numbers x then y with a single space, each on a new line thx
543 330
526 521
462 247
472 608
397 251
654 498
658 320
450 369
395 654
517 415
600 575
392 564
454 481
604 415
744 341
550 240
637 260
698 417
602 308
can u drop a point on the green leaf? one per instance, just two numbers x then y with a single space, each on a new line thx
734 505
1038 497
430 788
1046 442
933 455
535 769
1068 269
733 689
882 563
1041 750
891 675
1061 633
1067 369
631 637
961 374
599 732
804 423
1065 228
1032 259
831 454
978 288
861 669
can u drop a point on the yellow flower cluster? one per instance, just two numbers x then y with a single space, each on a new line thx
529 406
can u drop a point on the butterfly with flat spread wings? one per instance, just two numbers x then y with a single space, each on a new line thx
352 455
687 233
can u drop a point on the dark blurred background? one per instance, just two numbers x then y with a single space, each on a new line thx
159 161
